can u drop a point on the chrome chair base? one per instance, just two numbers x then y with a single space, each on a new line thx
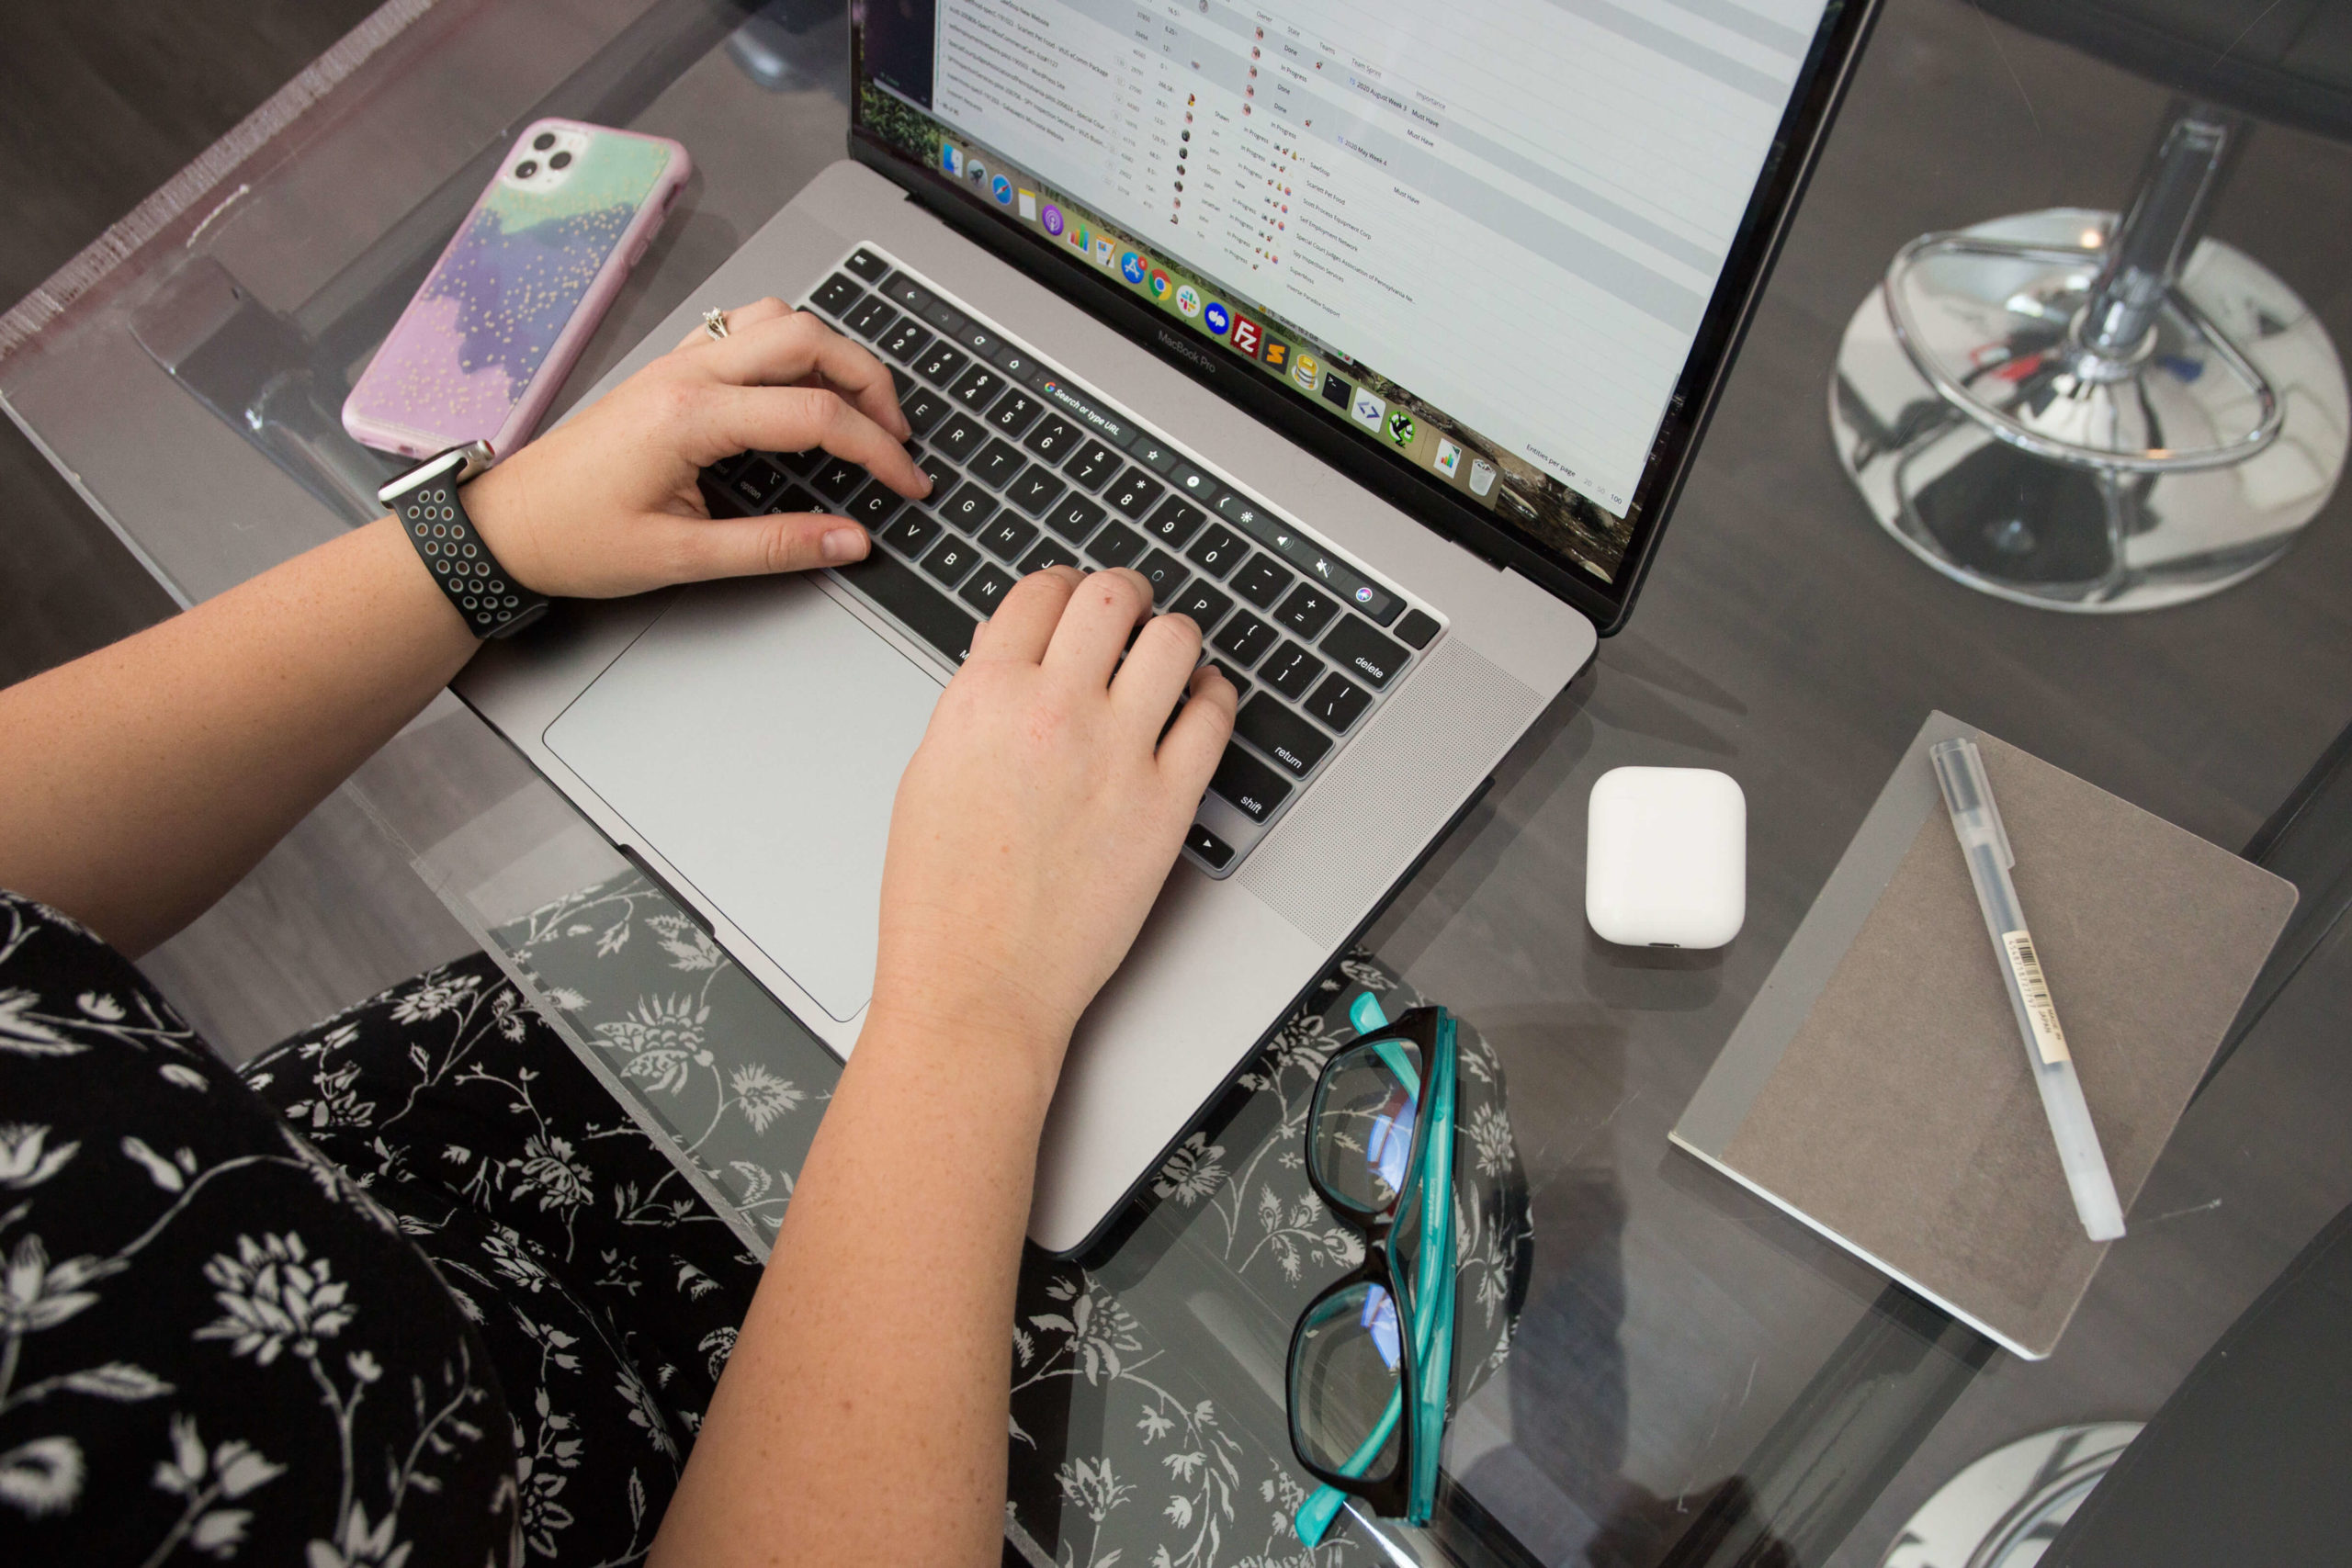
2156 494
2002 1510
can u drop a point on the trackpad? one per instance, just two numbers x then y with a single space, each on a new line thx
753 738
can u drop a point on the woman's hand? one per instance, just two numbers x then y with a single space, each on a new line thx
861 1420
1038 818
606 504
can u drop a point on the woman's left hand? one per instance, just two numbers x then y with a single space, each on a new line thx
606 504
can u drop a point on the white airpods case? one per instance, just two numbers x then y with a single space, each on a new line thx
1665 857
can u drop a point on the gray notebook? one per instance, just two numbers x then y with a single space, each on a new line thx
1877 1088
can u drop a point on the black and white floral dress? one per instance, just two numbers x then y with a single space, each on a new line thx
410 1289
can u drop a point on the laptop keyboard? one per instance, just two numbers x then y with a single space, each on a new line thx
1028 471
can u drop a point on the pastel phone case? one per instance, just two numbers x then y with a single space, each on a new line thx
484 348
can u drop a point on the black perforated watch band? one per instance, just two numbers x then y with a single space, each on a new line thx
426 502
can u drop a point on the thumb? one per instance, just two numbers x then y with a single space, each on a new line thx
698 548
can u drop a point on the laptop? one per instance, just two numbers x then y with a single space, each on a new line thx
1378 336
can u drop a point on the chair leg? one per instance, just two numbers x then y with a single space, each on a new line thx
2150 246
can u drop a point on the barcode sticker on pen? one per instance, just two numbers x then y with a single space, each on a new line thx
2040 1010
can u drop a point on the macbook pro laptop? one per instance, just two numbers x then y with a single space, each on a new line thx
1377 335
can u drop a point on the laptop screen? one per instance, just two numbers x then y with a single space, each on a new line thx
1500 243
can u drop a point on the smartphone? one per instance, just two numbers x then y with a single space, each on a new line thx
482 349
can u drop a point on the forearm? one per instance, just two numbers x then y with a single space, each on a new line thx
139 784
862 1418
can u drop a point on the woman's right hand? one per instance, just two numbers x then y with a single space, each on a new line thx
1040 816
607 504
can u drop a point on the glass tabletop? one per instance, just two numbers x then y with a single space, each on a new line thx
1674 1370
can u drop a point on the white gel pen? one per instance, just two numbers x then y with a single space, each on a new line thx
1960 773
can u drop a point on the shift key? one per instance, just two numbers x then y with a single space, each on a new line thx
1280 734
1252 786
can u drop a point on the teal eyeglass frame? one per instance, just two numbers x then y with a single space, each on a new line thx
1422 1287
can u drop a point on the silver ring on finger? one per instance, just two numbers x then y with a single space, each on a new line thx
714 321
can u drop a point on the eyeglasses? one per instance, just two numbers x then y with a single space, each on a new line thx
1372 1358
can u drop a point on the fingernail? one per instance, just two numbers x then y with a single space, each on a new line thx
843 544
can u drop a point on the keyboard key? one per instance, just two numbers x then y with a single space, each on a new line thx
1261 582
960 437
1115 545
1095 464
923 410
1256 789
903 384
1165 573
1292 672
1176 521
1133 493
795 499
979 383
1216 551
906 293
1036 489
1015 412
943 474
969 507
906 340
1074 519
949 560
1209 847
838 478
1053 439
945 317
871 316
1048 553
801 463
1203 603
1280 734
867 265
1245 639
1417 628
1240 685
1015 365
986 587
873 505
1008 535
980 340
1363 653
942 364
837 294
997 465
1337 702
1307 611
754 484
911 533
928 613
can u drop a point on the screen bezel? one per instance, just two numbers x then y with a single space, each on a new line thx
1748 265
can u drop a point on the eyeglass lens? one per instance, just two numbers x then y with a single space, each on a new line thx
1345 1394
1366 1111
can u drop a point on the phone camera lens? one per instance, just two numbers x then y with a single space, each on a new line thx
560 160
527 168
543 141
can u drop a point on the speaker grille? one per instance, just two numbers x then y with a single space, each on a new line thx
1342 847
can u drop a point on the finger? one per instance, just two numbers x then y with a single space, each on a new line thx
1195 744
786 351
1093 631
1158 668
793 419
1022 627
738 319
694 549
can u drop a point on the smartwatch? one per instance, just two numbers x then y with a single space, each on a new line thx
425 502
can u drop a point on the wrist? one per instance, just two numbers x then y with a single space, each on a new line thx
960 1023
